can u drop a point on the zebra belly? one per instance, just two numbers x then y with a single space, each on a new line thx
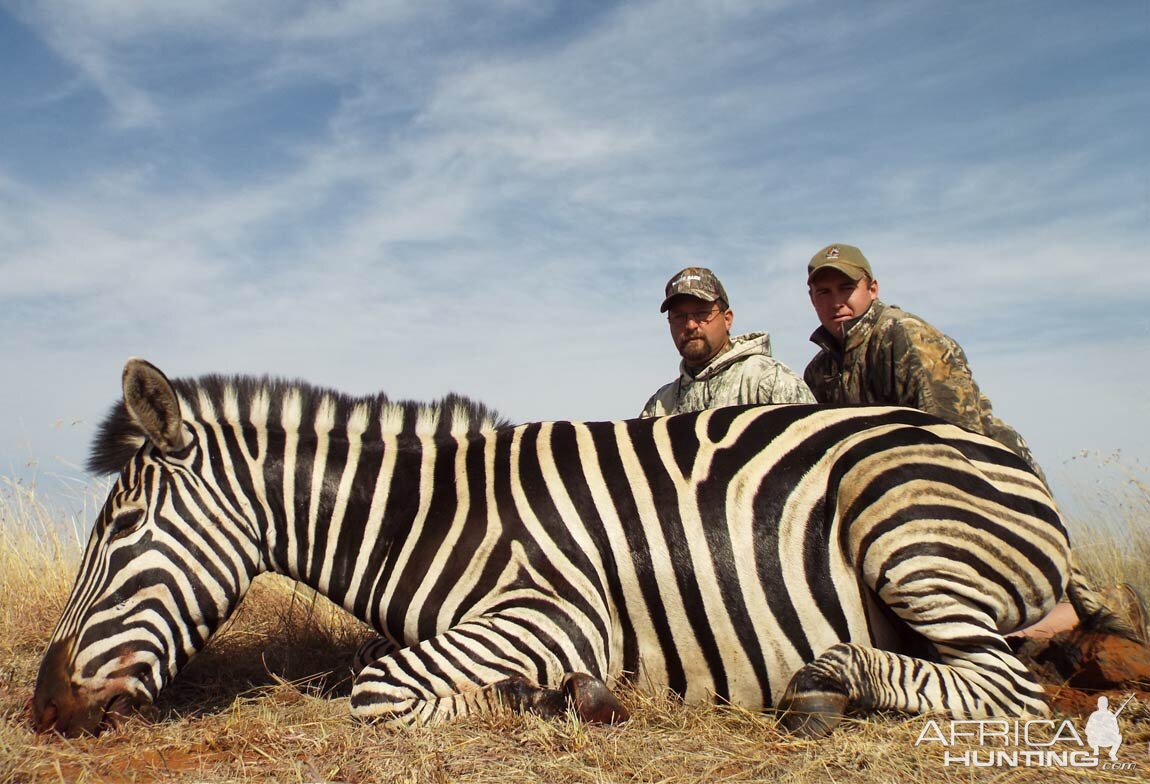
713 659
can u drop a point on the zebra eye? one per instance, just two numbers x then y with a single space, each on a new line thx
125 523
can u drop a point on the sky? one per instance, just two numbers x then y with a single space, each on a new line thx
488 198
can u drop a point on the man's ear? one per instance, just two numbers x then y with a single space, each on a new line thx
729 317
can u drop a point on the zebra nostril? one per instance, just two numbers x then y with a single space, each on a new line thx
46 721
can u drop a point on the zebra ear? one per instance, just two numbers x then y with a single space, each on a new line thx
153 405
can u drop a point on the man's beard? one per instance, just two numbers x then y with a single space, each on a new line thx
696 350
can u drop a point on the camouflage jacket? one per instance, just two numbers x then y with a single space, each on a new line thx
891 357
744 373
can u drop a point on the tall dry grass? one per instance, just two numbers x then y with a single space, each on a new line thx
267 701
1109 520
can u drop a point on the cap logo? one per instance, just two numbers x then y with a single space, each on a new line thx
832 252
683 278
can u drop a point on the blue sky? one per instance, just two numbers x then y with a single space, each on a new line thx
420 197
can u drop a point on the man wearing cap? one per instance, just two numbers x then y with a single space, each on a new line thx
877 354
872 353
717 369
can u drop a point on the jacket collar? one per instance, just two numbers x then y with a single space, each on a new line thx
741 346
855 332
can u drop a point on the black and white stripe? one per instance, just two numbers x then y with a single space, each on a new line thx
724 554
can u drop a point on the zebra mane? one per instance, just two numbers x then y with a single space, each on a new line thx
291 405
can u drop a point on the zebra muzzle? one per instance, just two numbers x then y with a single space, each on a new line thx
63 707
72 717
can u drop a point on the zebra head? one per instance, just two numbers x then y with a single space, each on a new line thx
159 575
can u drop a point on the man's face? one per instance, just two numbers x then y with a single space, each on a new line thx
838 299
699 328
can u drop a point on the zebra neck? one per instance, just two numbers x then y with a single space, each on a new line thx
358 521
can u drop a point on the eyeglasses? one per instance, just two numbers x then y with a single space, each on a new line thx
700 317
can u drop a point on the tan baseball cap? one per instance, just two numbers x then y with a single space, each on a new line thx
694 282
847 259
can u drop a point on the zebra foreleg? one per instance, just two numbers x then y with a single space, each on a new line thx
585 695
469 671
398 706
371 651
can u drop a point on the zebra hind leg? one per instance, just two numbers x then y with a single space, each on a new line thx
848 679
816 699
977 677
959 582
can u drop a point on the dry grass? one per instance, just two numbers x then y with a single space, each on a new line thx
268 702
1111 529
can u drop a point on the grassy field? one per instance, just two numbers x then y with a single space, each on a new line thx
268 700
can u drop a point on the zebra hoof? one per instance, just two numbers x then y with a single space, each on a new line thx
592 701
809 710
812 716
522 696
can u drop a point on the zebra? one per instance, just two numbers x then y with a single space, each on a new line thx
820 561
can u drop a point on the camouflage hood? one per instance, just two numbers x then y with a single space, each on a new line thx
744 373
742 346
